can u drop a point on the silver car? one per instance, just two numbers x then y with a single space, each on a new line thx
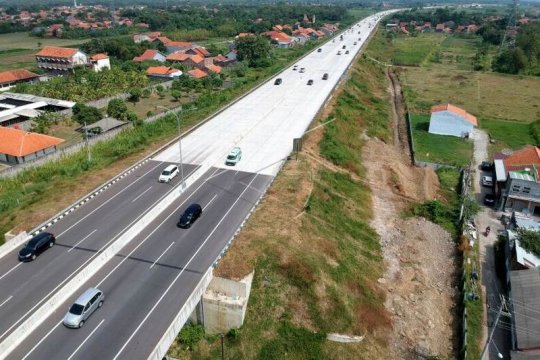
84 306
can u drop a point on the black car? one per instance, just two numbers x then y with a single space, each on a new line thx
278 81
319 50
486 166
344 46
310 82
489 200
192 213
325 76
36 246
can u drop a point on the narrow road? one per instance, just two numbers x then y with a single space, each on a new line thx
491 286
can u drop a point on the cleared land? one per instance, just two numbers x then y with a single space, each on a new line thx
447 150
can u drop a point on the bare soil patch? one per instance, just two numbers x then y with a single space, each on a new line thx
420 277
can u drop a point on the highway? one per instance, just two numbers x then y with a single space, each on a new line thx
80 236
149 280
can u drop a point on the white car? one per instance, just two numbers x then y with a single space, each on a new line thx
168 173
234 156
487 181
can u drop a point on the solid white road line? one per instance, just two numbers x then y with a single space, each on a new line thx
211 200
149 235
81 266
5 301
13 268
181 272
85 340
106 202
40 341
86 237
160 256
144 192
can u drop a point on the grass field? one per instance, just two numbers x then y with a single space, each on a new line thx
507 134
441 149
17 49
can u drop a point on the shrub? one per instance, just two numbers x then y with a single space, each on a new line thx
190 335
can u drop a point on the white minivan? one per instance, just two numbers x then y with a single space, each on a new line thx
84 306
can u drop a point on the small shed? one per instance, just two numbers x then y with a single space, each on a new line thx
447 119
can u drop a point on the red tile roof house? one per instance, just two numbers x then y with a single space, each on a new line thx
60 61
173 46
198 50
150 54
178 56
213 68
11 78
99 62
223 61
447 119
161 72
195 61
197 73
281 39
18 146
439 28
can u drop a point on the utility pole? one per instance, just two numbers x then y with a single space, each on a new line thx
222 348
495 323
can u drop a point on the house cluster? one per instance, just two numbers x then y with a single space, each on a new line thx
194 57
448 27
516 185
279 35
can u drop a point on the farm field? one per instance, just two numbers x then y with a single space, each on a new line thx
17 49
441 149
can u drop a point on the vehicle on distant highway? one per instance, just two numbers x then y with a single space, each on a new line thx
84 306
344 46
347 52
36 246
278 81
310 82
234 156
168 173
295 67
355 43
319 50
487 181
339 52
302 70
192 213
325 76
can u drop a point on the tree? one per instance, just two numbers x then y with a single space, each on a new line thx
133 118
510 61
117 109
86 114
135 95
43 122
176 94
529 240
254 49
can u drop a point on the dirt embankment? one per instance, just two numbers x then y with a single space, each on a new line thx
420 256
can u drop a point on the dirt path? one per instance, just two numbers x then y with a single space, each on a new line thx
399 123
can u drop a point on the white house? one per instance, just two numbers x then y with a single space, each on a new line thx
60 61
447 119
163 72
100 62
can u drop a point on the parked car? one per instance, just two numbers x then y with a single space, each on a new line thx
278 81
302 70
84 306
487 181
489 200
36 246
168 173
192 213
487 166
325 76
234 156
310 82
319 50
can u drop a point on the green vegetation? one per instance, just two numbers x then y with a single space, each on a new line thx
474 306
529 240
440 149
509 134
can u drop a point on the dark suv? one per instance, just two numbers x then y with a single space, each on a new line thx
36 246
192 213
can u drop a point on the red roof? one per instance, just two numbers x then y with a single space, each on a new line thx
197 73
197 58
161 70
440 27
97 57
178 56
529 155
201 51
147 55
15 75
179 44
21 143
214 68
456 110
58 52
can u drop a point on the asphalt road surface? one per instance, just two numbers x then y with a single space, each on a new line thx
80 237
